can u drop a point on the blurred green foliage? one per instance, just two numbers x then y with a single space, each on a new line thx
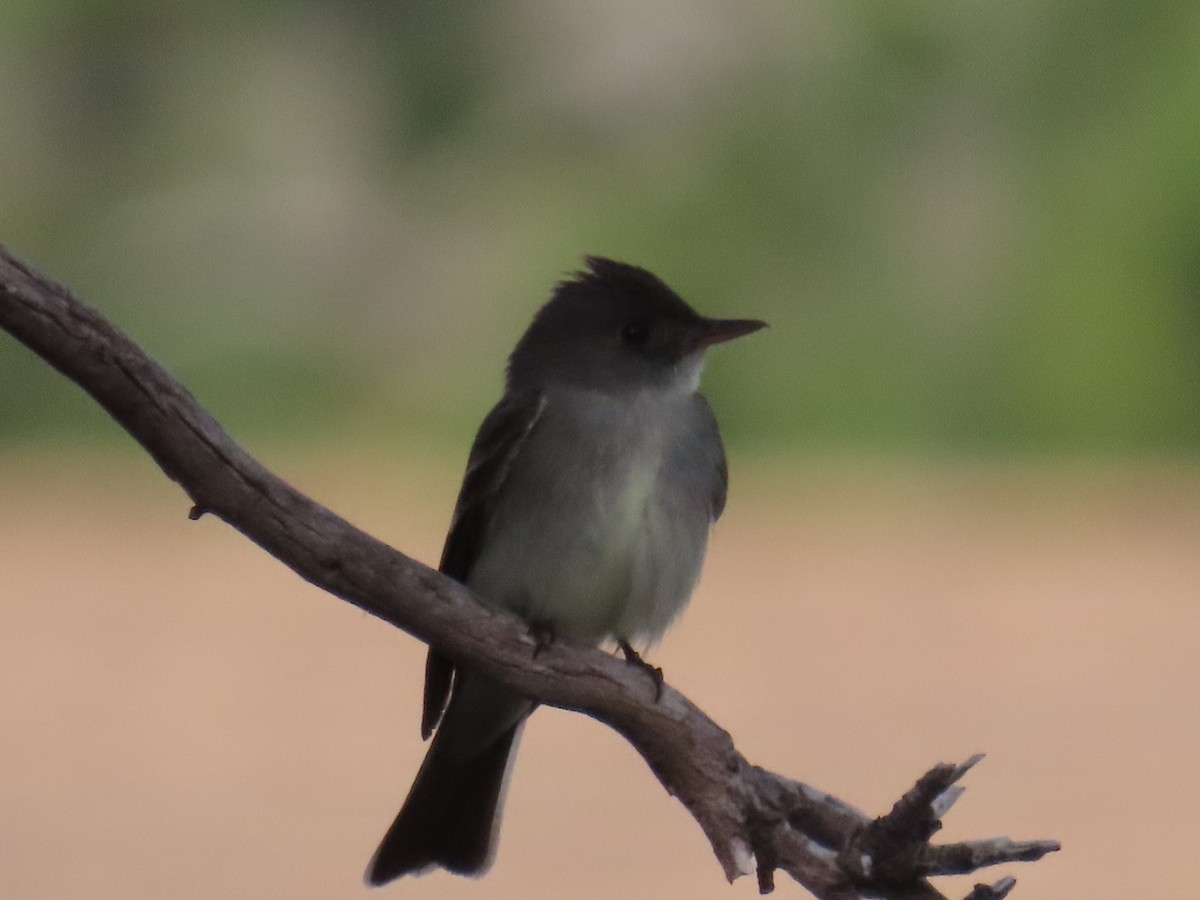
974 227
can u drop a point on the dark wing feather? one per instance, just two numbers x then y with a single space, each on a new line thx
496 447
711 438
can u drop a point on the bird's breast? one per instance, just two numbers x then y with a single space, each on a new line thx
601 528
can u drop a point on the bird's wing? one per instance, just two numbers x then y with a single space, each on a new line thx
711 438
496 448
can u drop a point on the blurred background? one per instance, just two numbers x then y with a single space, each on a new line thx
966 500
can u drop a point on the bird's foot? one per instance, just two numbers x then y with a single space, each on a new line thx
543 635
635 659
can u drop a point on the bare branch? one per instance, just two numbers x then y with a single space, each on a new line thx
997 891
754 819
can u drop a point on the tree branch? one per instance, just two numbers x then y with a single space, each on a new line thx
754 819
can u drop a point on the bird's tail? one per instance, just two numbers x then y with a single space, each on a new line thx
452 813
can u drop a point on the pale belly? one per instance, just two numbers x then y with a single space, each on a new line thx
605 542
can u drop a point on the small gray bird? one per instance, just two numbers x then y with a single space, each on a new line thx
585 510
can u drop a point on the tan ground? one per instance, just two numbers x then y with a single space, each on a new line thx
181 717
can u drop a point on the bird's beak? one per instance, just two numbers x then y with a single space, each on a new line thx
717 331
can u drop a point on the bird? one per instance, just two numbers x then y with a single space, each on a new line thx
585 509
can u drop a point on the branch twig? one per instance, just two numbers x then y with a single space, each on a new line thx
754 819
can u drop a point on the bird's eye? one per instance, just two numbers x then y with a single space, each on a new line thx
635 334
